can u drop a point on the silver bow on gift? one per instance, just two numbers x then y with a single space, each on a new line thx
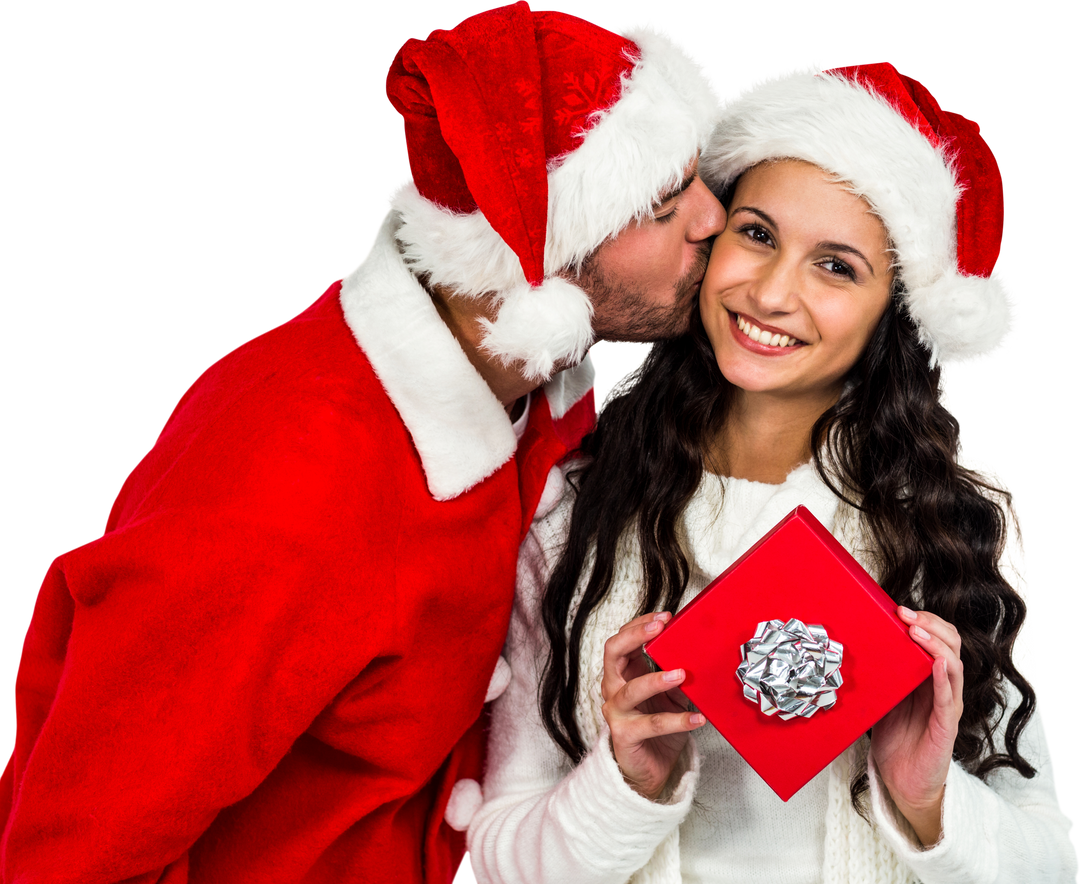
791 668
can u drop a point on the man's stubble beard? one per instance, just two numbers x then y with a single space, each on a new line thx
623 313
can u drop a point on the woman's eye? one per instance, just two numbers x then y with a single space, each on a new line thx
838 267
757 233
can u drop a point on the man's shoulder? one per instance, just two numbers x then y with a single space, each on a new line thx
299 403
306 366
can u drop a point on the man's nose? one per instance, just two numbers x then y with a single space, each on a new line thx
708 216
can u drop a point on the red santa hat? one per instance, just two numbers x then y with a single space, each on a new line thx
534 137
925 172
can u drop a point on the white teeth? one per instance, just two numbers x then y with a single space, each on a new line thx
772 339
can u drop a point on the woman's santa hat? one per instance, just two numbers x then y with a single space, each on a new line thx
534 137
925 172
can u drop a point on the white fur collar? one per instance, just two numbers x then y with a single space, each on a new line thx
461 431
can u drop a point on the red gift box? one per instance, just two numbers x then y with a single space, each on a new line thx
797 570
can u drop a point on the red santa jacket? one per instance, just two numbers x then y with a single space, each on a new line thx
271 666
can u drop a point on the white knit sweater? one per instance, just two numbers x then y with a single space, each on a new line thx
543 821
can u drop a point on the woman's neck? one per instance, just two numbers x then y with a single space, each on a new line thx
765 437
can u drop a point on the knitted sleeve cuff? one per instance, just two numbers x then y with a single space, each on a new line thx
605 828
967 849
679 792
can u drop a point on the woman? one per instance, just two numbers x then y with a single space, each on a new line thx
863 226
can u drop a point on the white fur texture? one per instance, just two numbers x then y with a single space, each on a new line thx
960 316
462 252
855 134
539 325
460 430
632 152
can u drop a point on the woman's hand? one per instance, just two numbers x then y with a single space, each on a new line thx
912 745
648 725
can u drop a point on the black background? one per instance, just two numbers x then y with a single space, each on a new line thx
198 180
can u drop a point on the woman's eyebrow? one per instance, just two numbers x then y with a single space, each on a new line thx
826 246
754 211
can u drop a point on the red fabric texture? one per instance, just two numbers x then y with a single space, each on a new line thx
980 211
271 666
489 104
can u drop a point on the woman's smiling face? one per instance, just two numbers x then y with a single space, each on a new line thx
796 284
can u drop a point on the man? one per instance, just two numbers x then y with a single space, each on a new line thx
272 665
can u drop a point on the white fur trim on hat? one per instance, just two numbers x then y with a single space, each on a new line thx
462 252
855 134
633 152
827 121
536 325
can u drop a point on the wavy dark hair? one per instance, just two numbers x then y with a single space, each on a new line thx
938 529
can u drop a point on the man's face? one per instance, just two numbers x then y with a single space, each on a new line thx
642 282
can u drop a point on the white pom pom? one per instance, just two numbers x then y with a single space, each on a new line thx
500 680
465 800
960 316
539 326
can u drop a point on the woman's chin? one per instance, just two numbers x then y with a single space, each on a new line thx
752 373
758 380
752 381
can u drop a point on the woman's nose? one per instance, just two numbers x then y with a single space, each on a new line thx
776 289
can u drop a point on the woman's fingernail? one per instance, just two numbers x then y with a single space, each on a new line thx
673 675
652 627
697 718
907 613
663 616
920 632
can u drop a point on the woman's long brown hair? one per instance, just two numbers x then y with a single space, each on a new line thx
939 530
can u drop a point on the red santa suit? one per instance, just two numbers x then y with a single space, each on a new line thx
270 666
